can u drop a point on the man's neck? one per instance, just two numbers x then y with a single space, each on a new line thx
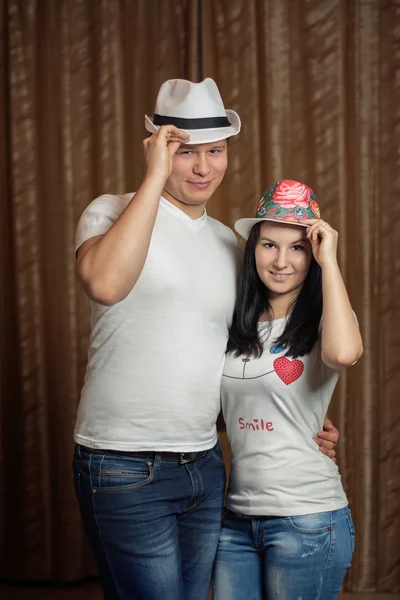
194 211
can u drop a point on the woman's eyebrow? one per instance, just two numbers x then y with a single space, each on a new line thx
265 239
274 242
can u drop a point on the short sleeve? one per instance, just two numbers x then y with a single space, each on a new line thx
99 216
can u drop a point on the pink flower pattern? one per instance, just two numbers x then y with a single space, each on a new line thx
290 194
289 201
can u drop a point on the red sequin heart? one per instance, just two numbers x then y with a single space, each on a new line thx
288 370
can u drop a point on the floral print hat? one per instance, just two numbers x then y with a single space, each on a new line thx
285 201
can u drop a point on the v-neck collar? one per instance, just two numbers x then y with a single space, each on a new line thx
193 224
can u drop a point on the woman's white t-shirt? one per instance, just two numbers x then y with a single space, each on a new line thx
273 408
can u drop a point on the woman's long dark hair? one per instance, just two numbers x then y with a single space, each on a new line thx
301 331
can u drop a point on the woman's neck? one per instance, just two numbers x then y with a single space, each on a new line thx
280 304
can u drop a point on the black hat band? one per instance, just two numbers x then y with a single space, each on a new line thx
181 123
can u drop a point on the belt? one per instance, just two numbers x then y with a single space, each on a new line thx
233 515
179 457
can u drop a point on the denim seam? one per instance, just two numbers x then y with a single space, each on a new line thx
196 466
213 584
124 473
187 508
103 544
103 458
327 558
77 483
255 532
126 488
217 458
306 531
90 472
197 502
352 533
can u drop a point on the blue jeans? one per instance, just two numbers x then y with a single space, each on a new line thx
287 558
153 526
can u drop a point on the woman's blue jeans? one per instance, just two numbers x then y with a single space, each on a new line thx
283 558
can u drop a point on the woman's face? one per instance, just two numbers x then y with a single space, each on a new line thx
283 256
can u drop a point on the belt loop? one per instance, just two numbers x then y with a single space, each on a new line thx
157 461
95 465
182 459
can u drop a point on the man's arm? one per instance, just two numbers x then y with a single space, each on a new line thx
108 266
327 439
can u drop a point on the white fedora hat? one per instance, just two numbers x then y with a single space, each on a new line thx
196 108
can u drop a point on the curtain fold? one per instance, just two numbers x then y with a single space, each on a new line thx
317 85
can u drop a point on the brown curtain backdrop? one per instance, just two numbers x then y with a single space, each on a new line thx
78 77
317 84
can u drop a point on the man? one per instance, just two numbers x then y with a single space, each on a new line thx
161 276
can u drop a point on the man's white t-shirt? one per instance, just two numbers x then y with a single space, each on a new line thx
156 358
273 407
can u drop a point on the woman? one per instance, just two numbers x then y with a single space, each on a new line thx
287 530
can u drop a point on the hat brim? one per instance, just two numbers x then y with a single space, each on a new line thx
205 136
244 226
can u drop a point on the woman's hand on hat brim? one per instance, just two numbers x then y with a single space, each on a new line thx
323 239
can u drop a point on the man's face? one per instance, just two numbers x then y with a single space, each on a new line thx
197 172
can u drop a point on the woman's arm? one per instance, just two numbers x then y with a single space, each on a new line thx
341 339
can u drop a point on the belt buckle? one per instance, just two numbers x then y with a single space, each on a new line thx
183 460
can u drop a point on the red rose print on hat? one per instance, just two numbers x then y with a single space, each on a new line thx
292 193
288 370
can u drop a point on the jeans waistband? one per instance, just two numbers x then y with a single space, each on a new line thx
179 457
233 515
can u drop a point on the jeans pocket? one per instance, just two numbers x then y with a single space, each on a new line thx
350 523
122 475
216 454
81 457
315 523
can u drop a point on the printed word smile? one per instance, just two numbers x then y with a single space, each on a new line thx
256 425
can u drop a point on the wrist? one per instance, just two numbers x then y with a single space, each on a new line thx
155 178
152 187
329 264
